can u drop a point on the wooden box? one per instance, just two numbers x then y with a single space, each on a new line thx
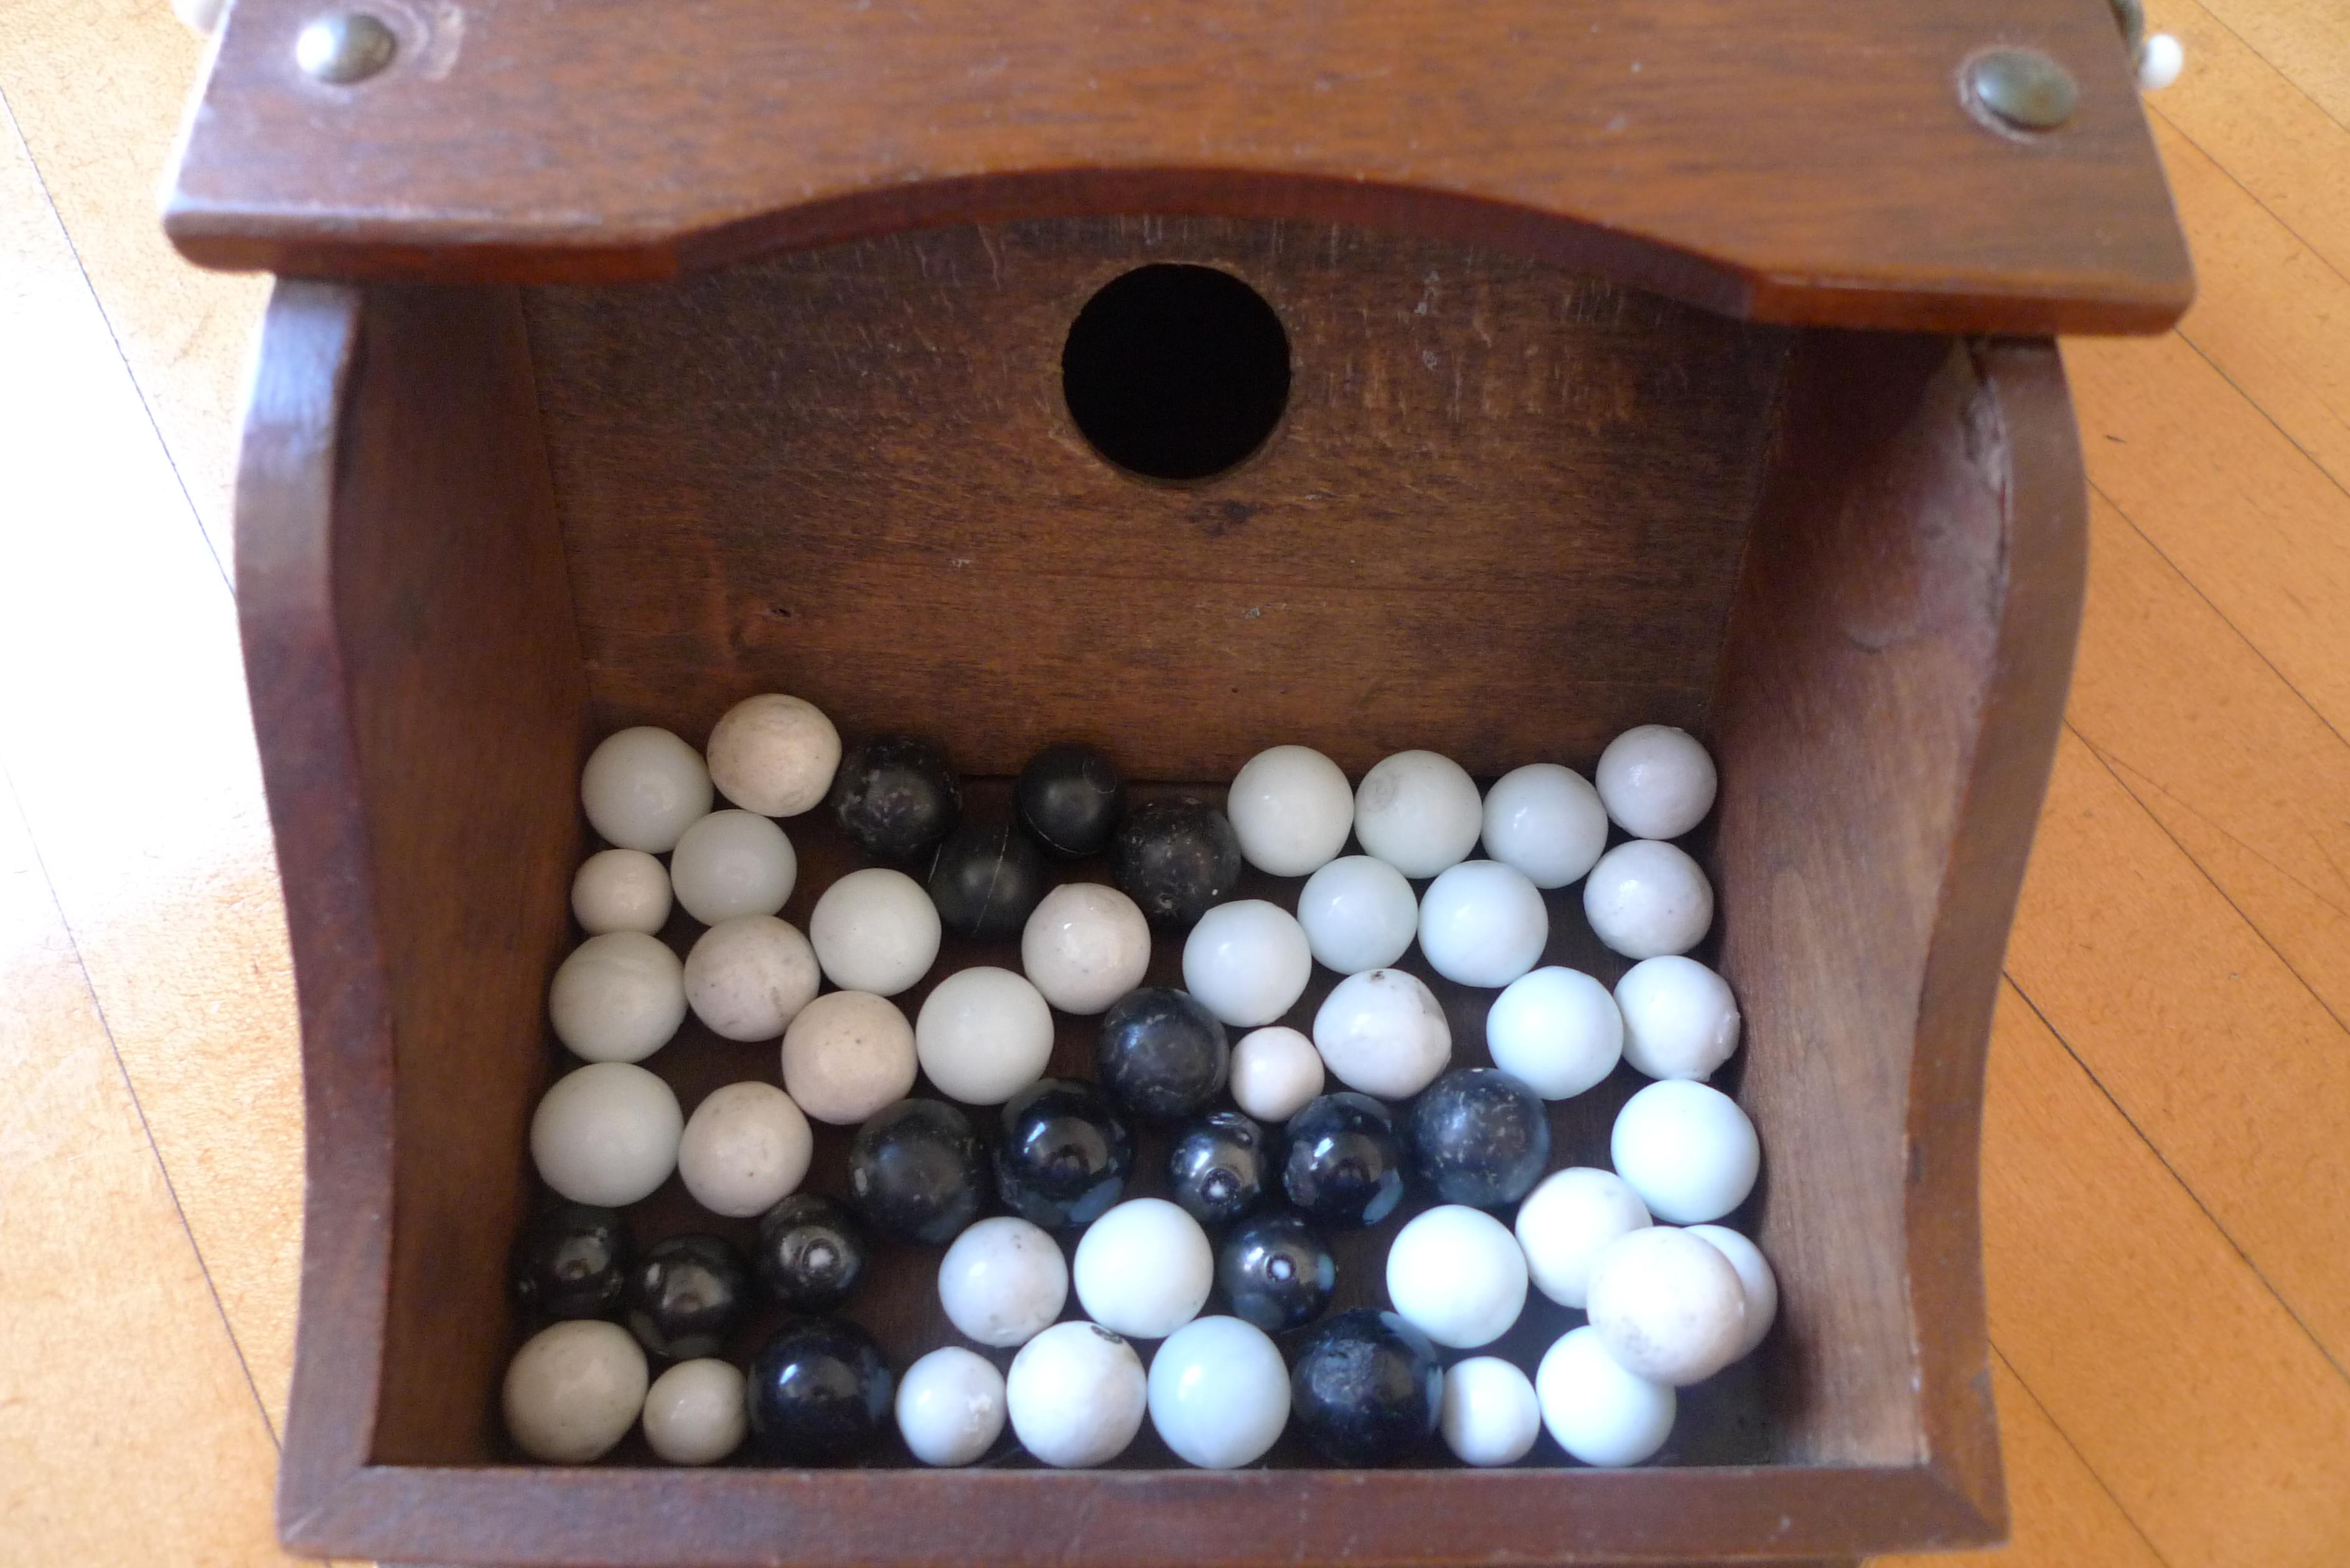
1671 361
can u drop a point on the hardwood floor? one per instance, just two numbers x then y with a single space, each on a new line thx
2167 1171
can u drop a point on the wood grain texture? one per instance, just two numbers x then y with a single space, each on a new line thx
2302 39
1817 168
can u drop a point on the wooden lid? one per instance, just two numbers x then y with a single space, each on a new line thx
1812 162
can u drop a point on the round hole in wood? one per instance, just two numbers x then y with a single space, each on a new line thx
1176 372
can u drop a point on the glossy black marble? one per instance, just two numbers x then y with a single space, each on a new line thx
809 1253
1070 797
1065 1156
1346 1159
915 1172
572 1260
986 880
819 1393
895 796
686 1294
1161 1054
1365 1388
1479 1136
1177 858
1276 1272
1219 1167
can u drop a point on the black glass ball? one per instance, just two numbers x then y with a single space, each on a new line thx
810 1252
895 796
986 881
819 1392
1276 1272
915 1172
1346 1160
1176 858
1069 797
572 1260
1065 1156
686 1294
1218 1167
1479 1136
1365 1388
1161 1054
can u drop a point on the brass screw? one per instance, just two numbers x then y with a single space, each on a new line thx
2022 88
344 46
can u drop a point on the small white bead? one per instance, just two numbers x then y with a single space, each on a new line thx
1656 781
1754 1273
1547 821
1077 1396
1419 812
694 1412
983 1034
1358 913
1490 1415
1483 923
1594 1409
1679 1019
1086 946
2159 61
732 862
1568 1220
848 1055
951 1407
1274 1072
1002 1282
1687 1150
773 754
620 891
1646 898
1144 1269
1667 1305
1247 962
875 930
746 1147
606 1133
1383 1032
1558 1030
574 1390
618 997
1291 808
643 788
1219 1393
748 978
1457 1275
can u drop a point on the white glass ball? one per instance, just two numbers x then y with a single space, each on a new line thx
695 1413
1558 1030
1667 1305
1358 913
1483 923
1002 1282
1687 1150
1419 812
620 891
1489 1416
951 1407
1456 1274
773 754
1383 1032
732 862
1754 1273
618 997
1086 946
1545 820
606 1133
1219 1393
1274 1072
1646 899
745 1148
983 1034
1568 1220
875 930
1144 1269
748 978
1679 1019
1247 962
573 1390
2160 60
848 1055
1077 1395
1291 808
1594 1409
643 788
1656 781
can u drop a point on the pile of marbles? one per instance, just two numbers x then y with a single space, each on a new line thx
1669 1296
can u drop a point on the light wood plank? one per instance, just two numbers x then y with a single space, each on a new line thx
2302 39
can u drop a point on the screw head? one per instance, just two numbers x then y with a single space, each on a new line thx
344 46
2022 88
